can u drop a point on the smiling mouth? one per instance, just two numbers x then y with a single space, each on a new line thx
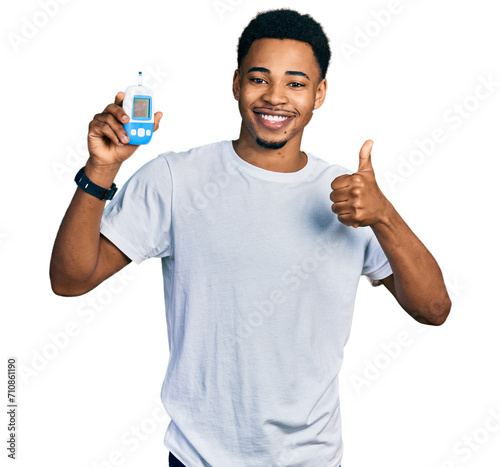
273 118
273 121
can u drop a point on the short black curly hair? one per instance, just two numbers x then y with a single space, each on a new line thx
286 24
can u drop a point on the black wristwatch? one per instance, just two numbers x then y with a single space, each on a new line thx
92 189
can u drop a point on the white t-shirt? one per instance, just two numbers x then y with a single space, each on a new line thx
260 280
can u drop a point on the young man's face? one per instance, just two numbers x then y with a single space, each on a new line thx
277 87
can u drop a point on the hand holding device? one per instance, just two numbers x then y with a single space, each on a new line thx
138 104
108 141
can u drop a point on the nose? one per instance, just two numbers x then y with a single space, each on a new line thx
275 95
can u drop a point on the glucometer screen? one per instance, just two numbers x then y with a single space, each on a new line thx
141 108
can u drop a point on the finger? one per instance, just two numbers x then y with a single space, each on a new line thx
341 208
119 98
343 181
117 111
348 220
339 195
107 125
115 125
158 116
103 131
365 162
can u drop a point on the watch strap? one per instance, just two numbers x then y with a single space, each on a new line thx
92 189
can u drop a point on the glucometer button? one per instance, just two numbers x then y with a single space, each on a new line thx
141 132
148 132
133 132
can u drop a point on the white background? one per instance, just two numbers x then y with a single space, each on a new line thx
91 367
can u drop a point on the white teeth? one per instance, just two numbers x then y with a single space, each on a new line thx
273 118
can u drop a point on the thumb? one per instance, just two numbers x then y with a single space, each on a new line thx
365 161
158 116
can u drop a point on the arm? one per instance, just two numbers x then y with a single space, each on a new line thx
82 258
417 282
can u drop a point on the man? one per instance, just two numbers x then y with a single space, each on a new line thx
260 277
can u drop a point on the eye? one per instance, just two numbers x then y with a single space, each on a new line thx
258 80
297 85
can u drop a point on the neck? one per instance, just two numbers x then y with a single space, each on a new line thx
287 159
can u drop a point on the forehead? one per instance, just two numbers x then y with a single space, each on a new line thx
281 55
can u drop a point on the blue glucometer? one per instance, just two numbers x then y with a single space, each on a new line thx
138 105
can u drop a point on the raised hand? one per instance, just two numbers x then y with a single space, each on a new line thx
107 138
357 199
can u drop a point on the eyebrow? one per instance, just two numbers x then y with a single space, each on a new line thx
265 70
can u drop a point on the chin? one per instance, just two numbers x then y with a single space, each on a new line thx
270 144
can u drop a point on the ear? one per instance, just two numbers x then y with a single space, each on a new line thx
320 94
236 84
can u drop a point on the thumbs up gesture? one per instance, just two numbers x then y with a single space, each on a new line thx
357 199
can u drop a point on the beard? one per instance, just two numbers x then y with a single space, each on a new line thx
270 144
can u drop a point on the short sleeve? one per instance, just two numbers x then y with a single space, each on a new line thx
376 265
138 219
